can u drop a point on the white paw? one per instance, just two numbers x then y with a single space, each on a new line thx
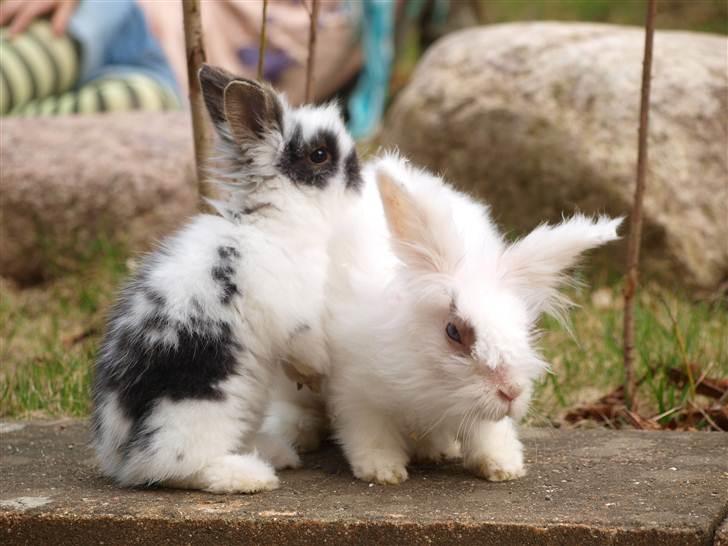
380 471
239 474
503 467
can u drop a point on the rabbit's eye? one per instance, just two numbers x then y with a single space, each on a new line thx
452 332
318 156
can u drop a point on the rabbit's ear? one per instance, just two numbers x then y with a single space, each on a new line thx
412 227
239 108
539 262
252 110
213 81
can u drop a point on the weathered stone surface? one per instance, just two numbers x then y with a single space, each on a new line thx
583 487
540 118
67 182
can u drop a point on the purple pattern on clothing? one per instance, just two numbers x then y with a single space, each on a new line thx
275 63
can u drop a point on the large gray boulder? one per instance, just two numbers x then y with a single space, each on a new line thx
69 182
540 118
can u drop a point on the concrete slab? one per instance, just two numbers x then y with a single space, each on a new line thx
583 487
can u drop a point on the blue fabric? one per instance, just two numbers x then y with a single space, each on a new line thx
366 104
115 39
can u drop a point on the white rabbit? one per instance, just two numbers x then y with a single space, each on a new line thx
183 374
432 338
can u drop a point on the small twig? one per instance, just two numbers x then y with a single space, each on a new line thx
195 59
313 14
723 399
706 417
261 49
635 231
704 385
666 413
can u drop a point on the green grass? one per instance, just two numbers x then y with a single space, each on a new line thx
49 335
696 15
671 330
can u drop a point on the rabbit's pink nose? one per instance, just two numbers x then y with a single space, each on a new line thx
508 393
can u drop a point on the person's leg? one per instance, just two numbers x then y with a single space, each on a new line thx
34 65
119 93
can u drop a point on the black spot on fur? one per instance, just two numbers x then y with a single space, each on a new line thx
142 370
352 171
223 275
295 163
225 252
223 272
255 208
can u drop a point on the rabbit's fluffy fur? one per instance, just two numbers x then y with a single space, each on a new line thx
392 289
432 324
195 340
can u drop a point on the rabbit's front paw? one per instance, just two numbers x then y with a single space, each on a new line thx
380 470
497 467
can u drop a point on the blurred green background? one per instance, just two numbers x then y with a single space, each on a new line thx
698 15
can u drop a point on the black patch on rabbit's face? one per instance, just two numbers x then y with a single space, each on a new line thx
223 272
296 160
352 171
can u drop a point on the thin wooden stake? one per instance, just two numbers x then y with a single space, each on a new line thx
311 49
635 229
195 58
261 49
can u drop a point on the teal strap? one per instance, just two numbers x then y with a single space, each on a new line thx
366 103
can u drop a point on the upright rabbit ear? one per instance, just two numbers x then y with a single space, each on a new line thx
240 109
213 81
538 263
413 226
252 110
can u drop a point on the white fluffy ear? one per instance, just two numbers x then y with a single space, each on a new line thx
414 226
538 263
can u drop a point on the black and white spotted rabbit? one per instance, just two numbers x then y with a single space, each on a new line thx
183 375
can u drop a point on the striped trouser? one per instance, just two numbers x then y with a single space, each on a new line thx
39 71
